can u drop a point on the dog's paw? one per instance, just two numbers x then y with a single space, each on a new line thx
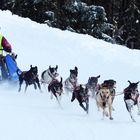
111 118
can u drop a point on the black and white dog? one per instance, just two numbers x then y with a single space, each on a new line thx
81 94
71 82
131 98
30 77
93 85
49 75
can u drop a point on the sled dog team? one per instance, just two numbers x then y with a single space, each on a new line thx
103 94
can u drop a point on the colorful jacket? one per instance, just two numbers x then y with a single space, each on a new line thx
4 45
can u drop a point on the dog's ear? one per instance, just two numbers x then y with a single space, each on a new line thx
129 82
114 81
137 82
76 68
98 76
30 66
56 67
70 71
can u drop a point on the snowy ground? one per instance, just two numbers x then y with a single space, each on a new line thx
33 116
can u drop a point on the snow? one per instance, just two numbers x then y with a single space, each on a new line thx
33 115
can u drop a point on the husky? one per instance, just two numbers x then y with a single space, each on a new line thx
71 82
81 94
131 98
49 75
56 89
104 101
93 85
30 77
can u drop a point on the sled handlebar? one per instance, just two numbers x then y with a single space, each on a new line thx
4 50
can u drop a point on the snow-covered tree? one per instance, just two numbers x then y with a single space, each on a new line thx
88 19
73 15
131 27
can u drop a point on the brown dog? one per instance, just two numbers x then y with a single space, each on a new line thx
104 101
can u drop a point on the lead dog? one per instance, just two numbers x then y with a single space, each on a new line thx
104 101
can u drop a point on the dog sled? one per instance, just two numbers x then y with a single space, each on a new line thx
8 68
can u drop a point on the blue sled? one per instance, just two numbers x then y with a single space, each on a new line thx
12 68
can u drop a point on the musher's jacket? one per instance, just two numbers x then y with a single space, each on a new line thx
4 45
